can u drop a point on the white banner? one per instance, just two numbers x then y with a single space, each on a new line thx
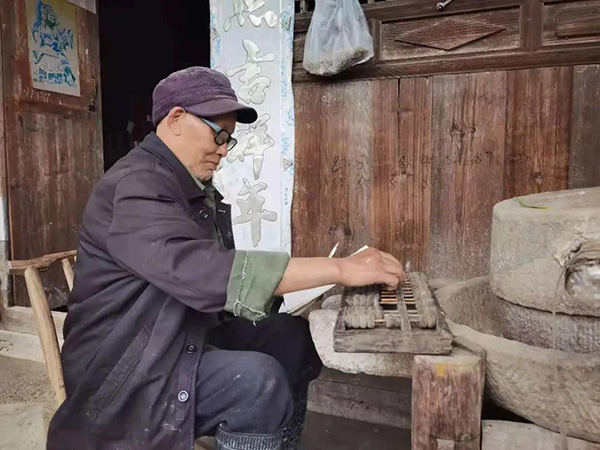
252 43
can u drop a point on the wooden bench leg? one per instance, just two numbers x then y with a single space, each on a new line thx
46 332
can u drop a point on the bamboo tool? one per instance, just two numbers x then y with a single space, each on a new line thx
42 314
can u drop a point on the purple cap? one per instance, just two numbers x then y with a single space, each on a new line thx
200 91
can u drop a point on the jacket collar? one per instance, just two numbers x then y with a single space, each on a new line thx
153 144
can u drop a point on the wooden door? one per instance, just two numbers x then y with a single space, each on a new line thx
53 138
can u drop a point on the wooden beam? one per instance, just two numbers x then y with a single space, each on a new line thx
18 267
502 60
68 270
447 398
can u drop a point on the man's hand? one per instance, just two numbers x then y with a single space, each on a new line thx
371 266
361 269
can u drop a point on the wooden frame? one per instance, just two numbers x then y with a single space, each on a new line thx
419 338
533 50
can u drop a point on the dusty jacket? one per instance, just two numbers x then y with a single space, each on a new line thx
132 348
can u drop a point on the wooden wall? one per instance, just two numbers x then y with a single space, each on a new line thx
414 165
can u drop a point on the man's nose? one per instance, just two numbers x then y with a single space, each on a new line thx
222 150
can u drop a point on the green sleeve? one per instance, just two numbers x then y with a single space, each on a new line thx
254 277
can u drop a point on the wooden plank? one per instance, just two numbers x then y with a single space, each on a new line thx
409 174
468 156
447 400
46 332
386 211
537 130
359 127
43 263
307 186
584 169
501 435
20 319
359 402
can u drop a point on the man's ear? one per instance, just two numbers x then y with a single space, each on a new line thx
174 120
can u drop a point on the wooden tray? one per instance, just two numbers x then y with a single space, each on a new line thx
420 327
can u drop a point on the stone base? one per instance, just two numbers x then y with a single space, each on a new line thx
322 323
551 388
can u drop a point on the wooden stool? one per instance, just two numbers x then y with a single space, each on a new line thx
41 311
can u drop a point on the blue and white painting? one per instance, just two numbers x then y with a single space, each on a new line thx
52 38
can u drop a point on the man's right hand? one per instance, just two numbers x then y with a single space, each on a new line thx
371 266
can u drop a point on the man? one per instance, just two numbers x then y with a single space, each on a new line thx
171 333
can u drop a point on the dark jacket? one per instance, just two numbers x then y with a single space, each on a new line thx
132 347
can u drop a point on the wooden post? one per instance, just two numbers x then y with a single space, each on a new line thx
46 332
447 397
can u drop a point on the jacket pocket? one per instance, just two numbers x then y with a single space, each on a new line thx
119 374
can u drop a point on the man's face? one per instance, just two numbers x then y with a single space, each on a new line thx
203 154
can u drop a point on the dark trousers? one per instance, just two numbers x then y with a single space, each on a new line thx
249 383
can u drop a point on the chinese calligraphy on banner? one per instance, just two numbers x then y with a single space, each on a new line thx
252 43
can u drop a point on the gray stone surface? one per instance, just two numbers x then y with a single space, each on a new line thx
529 245
322 323
554 389
578 334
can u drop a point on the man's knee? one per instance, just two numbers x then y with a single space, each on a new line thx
262 382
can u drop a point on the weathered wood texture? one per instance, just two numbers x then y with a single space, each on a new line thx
340 198
585 132
467 158
412 37
378 400
500 435
538 118
54 148
447 398
443 151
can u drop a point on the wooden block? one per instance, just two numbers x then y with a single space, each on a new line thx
18 267
447 398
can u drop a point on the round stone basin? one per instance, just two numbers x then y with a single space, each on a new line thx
554 389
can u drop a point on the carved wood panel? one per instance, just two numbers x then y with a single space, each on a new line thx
461 34
571 23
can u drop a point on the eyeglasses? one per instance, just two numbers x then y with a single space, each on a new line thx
222 137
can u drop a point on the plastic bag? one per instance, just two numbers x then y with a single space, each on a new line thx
338 37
